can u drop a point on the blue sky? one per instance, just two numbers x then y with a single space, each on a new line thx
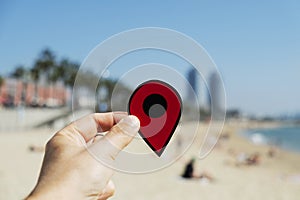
255 44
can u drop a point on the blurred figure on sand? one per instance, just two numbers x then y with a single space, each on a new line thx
189 173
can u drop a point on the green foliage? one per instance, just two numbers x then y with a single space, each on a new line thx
47 65
65 70
1 80
35 74
54 70
46 60
19 72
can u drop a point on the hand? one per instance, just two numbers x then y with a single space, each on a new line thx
69 171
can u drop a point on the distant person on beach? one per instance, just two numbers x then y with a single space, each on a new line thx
189 169
33 148
189 173
253 159
69 171
249 160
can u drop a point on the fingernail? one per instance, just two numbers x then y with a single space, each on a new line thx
130 125
132 121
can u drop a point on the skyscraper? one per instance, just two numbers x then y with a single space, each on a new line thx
197 88
215 98
192 77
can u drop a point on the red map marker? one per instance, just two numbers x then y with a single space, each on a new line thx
158 107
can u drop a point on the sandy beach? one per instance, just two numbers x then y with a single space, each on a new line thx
273 178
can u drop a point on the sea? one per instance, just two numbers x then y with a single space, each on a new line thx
287 138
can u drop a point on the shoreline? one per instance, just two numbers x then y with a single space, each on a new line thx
248 132
282 157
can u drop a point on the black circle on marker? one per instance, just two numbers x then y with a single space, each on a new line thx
156 103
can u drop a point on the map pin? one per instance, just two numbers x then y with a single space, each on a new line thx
158 107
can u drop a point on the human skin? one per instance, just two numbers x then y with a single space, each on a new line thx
69 171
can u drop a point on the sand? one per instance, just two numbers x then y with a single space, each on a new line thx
274 178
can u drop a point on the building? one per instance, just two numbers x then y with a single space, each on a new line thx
216 99
198 88
16 92
192 77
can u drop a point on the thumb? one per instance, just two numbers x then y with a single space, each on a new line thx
117 138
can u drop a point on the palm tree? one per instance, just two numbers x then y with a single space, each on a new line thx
46 61
35 77
70 73
45 64
1 81
19 73
65 71
57 73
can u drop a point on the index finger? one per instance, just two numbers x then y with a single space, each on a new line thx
91 124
